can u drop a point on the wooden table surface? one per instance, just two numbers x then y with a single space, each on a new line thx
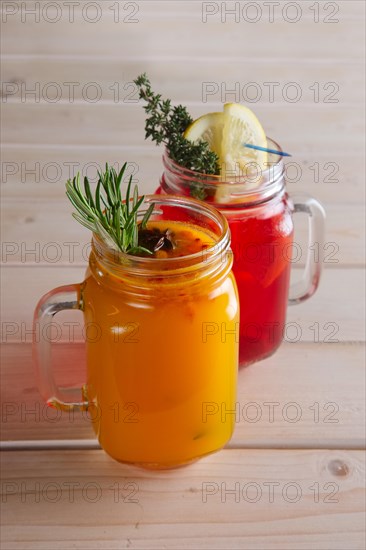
292 477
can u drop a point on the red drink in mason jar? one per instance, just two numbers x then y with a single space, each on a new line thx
259 212
262 240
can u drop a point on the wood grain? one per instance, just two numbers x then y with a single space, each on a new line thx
251 81
187 508
120 125
30 171
23 224
288 400
338 319
324 380
171 36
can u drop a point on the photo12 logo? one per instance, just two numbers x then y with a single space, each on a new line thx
69 331
270 12
68 92
70 11
55 172
253 492
271 92
290 332
52 492
43 413
272 412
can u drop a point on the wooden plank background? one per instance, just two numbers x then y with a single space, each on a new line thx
177 510
49 135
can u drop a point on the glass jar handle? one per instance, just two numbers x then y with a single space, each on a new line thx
305 288
59 299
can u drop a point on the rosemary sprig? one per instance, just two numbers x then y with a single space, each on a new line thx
107 214
166 124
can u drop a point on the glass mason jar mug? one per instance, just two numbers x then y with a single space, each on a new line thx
259 212
166 353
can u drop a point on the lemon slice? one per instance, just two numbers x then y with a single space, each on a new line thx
242 126
227 133
207 128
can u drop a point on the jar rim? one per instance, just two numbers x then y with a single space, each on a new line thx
255 188
119 261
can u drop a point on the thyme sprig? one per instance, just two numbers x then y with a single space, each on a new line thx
166 124
115 220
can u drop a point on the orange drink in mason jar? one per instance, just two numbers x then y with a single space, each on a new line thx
166 360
